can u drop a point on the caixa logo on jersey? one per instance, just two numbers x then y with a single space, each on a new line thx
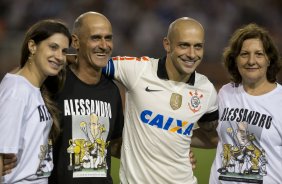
166 123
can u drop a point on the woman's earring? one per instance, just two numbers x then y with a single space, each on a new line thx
30 58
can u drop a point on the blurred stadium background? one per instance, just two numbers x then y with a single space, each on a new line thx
139 27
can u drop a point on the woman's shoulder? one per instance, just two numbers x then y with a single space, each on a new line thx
17 86
231 86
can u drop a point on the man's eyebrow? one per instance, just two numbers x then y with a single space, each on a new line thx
184 43
101 36
109 36
188 43
96 36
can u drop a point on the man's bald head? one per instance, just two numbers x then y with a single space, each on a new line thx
184 47
93 40
87 18
183 24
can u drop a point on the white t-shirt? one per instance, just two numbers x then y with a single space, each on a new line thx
25 124
250 137
160 116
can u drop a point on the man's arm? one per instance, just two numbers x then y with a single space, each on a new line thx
205 136
9 162
116 147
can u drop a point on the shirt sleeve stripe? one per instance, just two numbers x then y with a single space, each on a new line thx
109 70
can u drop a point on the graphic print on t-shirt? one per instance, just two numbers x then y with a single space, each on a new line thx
45 155
88 147
243 159
46 160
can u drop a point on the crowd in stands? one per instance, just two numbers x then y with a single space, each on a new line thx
139 26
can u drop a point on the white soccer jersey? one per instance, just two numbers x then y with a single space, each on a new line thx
160 116
250 137
24 128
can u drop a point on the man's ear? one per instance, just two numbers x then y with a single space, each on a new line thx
75 41
166 44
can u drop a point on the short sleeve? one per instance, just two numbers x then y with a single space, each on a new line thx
126 70
11 123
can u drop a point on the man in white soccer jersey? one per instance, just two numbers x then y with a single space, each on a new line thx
166 103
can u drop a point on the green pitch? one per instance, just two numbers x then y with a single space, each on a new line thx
204 161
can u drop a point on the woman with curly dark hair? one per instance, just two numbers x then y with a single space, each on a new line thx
250 118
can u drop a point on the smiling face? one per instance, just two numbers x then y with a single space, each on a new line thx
184 46
50 54
93 40
252 62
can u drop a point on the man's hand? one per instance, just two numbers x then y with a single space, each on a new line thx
193 159
206 136
9 162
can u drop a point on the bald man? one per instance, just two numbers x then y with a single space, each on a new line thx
80 156
167 102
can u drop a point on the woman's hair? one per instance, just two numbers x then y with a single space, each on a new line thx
39 32
231 52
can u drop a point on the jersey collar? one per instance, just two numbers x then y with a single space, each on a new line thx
162 73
